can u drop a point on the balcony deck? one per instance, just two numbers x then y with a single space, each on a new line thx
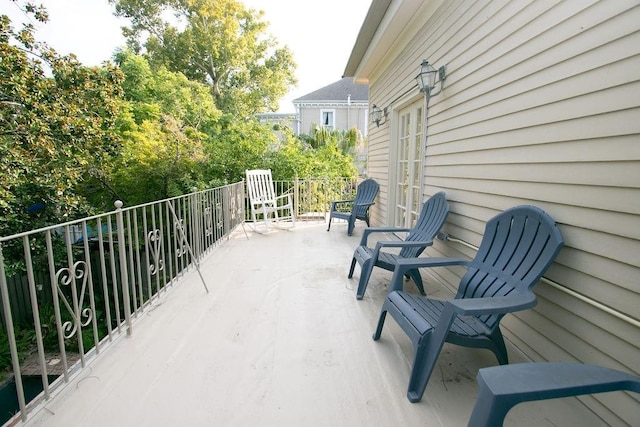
280 340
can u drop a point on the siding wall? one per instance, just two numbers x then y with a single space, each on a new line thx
541 106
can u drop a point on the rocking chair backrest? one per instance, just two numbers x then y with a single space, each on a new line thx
432 217
260 186
517 248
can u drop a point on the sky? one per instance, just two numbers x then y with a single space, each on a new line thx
321 35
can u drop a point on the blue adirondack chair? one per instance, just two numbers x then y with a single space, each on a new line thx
518 246
365 195
500 388
432 217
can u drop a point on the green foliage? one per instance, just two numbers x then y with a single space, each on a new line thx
159 125
165 126
219 43
55 131
346 140
25 343
235 146
297 157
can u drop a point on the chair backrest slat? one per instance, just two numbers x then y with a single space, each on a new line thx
365 195
432 216
517 248
260 185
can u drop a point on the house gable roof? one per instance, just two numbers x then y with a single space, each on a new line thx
337 91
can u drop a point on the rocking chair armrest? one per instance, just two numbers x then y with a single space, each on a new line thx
285 195
493 305
370 230
282 201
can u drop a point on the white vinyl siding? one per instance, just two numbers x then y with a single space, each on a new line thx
541 106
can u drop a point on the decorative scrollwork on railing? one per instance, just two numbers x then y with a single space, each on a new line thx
219 216
70 277
236 208
181 247
208 222
155 246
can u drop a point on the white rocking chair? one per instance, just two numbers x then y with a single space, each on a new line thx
263 202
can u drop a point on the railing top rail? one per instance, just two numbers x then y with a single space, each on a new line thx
102 215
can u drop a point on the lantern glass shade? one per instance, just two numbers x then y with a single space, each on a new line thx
427 76
376 114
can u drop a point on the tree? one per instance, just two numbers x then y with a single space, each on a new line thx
56 128
216 42
167 123
347 140
326 159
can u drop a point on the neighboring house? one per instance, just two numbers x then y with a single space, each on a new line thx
340 105
284 119
277 121
541 105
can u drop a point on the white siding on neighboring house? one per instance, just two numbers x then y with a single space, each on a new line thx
541 106
341 105
344 116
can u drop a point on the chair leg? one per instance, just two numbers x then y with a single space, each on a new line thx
423 365
353 267
417 278
265 218
489 409
254 224
499 348
329 225
351 226
383 315
365 274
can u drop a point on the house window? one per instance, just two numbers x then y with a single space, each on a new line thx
327 119
408 176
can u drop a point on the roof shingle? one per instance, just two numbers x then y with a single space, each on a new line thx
338 91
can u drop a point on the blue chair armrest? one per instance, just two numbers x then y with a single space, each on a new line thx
493 305
335 203
404 244
341 201
370 230
502 387
406 264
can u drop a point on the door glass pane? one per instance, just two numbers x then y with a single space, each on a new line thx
409 166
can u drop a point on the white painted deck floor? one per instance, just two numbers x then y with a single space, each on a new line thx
280 340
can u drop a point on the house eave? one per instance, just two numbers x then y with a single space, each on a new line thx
384 24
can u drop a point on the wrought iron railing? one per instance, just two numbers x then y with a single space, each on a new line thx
312 197
86 280
69 290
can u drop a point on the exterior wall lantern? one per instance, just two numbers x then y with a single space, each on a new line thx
429 77
377 115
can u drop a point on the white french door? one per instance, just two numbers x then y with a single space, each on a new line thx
410 153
